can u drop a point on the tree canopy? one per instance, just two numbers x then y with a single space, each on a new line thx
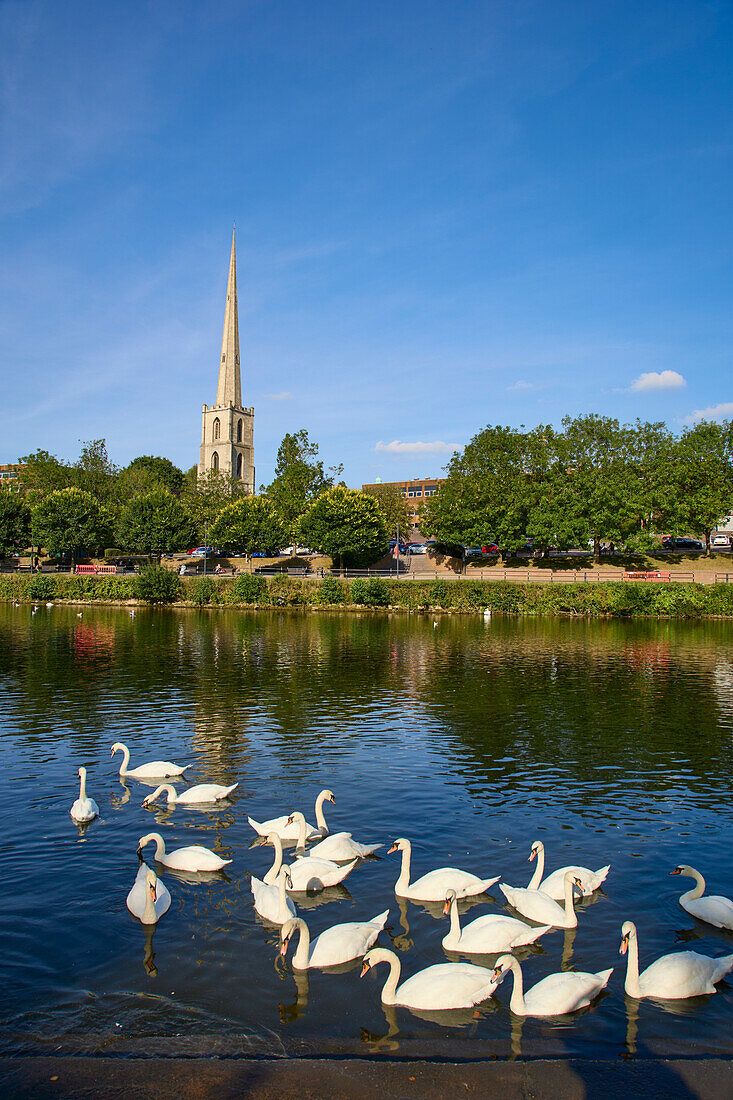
299 479
69 521
250 524
148 472
15 523
346 524
154 523
393 506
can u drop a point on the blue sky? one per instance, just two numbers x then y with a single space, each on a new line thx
449 214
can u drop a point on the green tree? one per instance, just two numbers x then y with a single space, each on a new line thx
15 522
69 521
299 479
148 472
205 497
250 524
154 523
94 473
347 525
602 491
42 473
700 478
393 506
484 497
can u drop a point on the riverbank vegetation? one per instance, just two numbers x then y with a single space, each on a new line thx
160 586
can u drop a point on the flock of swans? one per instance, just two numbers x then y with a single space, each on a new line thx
322 859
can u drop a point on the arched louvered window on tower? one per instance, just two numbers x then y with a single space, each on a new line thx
215 461
239 461
216 428
239 431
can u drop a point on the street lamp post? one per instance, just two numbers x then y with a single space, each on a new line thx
206 542
397 550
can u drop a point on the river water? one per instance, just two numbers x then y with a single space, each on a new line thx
609 741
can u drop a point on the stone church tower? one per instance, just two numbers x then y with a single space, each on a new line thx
227 428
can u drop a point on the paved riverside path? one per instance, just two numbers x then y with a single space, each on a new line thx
360 1078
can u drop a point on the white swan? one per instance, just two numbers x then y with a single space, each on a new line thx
538 906
672 977
194 857
554 884
149 897
307 873
434 885
339 944
202 792
488 934
155 769
339 847
85 808
554 995
289 833
443 986
714 909
270 899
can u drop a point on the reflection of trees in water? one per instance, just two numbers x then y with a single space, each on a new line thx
574 696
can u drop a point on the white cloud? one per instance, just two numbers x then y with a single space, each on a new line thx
657 380
520 385
713 412
284 396
397 447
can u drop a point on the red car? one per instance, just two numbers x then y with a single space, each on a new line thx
492 548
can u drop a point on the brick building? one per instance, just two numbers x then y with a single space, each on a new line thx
416 491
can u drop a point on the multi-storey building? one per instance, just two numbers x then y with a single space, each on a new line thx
416 491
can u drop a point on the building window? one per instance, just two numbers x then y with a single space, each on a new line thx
216 428
215 462
415 491
239 431
239 461
431 490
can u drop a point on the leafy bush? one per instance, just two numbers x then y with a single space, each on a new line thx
359 591
157 585
247 588
203 590
41 587
331 591
377 592
440 594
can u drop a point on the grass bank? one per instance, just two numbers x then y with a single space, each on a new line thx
631 599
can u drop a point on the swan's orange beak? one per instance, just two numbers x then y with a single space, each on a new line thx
364 969
284 947
446 908
497 973
290 820
532 854
676 871
394 848
624 946
332 799
153 891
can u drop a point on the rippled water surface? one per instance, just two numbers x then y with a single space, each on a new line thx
611 742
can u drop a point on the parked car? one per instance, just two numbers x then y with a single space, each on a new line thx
472 551
681 544
416 548
491 548
203 552
721 542
403 546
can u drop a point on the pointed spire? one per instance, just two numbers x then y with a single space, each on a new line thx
229 389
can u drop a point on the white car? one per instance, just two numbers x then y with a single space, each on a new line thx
721 541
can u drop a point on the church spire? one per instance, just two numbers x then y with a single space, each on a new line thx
229 390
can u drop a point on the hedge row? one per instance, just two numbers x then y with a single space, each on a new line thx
681 600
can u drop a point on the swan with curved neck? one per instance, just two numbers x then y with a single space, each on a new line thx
714 909
194 857
84 808
288 833
671 977
339 944
434 885
155 769
309 873
555 995
202 792
486 934
338 847
439 987
271 900
149 898
554 884
539 907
